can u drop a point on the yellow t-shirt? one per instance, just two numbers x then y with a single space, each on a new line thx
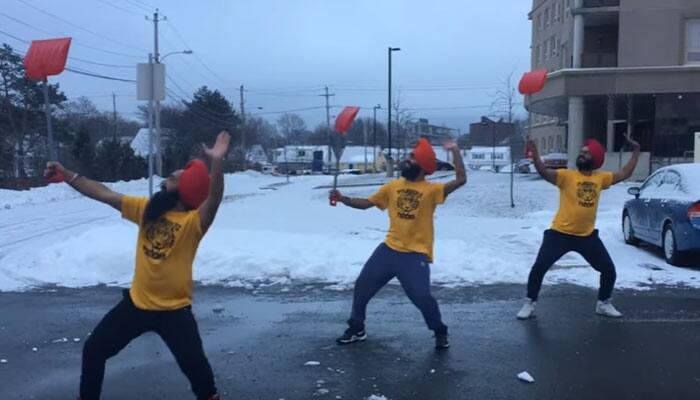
578 200
411 206
164 254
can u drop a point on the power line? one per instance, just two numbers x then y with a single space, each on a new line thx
14 37
212 119
293 110
96 75
120 8
445 108
71 57
75 41
196 56
78 26
142 5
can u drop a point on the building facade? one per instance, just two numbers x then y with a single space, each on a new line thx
617 66
489 132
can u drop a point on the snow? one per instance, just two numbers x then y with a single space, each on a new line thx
312 363
268 234
525 376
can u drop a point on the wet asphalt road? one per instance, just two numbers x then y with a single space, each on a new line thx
259 342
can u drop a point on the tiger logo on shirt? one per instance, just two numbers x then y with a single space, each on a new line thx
587 192
161 238
407 202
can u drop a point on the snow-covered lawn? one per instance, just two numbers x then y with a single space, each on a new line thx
288 234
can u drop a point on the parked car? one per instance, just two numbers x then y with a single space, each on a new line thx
444 166
555 160
665 212
270 169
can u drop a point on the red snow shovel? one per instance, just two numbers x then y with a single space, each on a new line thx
532 82
342 124
43 59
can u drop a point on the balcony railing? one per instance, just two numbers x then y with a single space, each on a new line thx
601 3
599 60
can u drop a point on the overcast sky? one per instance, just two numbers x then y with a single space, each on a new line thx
453 52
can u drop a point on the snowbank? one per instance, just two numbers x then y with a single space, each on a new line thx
267 232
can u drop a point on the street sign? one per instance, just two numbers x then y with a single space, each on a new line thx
148 89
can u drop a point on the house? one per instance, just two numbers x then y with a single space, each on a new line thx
256 155
299 159
489 132
494 158
308 159
139 143
361 158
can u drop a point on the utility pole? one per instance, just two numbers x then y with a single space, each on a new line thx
328 123
150 130
390 165
156 60
243 130
114 114
374 137
364 131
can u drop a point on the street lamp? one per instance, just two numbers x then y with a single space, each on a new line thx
159 155
374 136
176 52
390 165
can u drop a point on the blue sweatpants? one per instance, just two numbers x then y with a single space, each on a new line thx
411 269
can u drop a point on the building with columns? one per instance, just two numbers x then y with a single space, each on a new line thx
617 66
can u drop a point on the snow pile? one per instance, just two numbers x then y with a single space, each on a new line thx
271 233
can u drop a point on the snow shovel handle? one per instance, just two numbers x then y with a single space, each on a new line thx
334 197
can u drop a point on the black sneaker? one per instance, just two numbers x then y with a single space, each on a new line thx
441 341
352 336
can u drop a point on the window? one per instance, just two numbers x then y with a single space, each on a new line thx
538 54
546 17
550 143
560 13
671 181
651 185
692 41
498 156
540 22
545 52
477 156
553 46
567 11
301 153
559 147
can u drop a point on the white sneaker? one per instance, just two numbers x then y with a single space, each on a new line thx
606 309
528 310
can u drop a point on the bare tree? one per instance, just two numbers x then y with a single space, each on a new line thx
403 118
505 99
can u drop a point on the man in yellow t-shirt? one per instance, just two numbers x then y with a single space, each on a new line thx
573 228
408 249
171 224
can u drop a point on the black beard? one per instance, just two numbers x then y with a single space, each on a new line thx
161 202
410 171
583 164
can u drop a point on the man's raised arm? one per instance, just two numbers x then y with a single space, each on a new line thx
547 174
55 172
